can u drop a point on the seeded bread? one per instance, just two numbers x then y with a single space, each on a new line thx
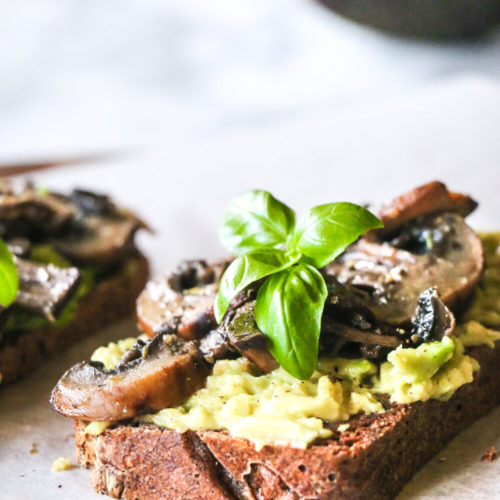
373 459
110 300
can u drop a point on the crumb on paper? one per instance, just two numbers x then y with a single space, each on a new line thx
60 464
59 485
343 427
489 455
34 448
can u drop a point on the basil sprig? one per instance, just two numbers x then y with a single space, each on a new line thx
270 246
256 220
289 309
9 278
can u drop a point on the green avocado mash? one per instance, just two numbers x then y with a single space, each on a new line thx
277 408
274 408
431 371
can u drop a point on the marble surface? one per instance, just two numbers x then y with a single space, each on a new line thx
449 132
79 77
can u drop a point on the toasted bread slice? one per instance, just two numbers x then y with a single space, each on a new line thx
110 299
372 459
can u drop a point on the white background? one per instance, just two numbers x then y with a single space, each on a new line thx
85 76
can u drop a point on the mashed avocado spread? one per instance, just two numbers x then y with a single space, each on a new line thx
279 409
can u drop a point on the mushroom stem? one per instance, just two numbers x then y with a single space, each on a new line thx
359 336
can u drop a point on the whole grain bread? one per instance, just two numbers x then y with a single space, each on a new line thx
373 459
110 300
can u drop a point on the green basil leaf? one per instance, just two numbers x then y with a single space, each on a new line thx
9 278
255 220
245 270
288 310
327 230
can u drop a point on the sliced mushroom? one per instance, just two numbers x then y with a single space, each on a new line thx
190 314
214 346
360 336
43 289
100 240
420 238
20 247
86 227
181 302
167 373
394 278
432 319
346 304
428 199
346 318
26 211
194 273
91 203
243 334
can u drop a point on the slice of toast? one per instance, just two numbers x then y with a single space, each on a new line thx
111 299
372 459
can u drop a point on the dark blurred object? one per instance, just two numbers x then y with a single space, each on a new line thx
428 19
10 169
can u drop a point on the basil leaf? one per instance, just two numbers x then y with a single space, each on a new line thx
288 310
244 271
327 230
9 278
254 220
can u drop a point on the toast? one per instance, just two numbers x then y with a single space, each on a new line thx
69 267
112 299
373 459
203 405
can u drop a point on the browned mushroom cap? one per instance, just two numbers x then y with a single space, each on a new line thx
87 227
243 334
428 199
190 314
395 278
182 301
101 240
169 372
43 289
195 273
432 319
215 346
25 210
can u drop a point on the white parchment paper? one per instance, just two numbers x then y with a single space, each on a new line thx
450 133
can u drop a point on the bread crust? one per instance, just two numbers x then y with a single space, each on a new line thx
373 459
110 300
147 462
